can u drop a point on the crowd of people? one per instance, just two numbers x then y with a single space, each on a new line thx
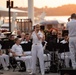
32 47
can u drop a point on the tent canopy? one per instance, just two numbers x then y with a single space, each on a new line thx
52 22
4 11
12 10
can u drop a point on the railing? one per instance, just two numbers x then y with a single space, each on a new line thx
24 25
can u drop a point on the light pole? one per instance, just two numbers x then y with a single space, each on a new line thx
9 17
9 6
31 10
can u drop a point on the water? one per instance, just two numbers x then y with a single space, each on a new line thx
62 18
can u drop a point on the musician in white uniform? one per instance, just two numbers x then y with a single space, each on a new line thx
17 51
4 60
37 49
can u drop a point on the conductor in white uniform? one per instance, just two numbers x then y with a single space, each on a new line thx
71 26
37 49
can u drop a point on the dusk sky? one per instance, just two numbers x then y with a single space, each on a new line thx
39 3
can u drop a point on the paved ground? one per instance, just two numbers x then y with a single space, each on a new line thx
10 72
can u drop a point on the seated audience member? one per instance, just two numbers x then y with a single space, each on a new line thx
22 36
18 53
52 40
65 51
26 44
4 60
11 41
59 39
47 57
1 34
14 32
18 33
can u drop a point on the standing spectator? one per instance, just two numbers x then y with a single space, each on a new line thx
71 26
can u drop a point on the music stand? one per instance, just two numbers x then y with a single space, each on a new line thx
53 47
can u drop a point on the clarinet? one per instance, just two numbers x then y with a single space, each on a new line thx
44 47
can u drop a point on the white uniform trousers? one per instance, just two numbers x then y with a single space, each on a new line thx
66 57
4 60
72 47
46 58
27 52
37 51
27 60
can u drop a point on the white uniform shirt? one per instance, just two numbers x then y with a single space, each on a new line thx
71 26
63 42
35 38
24 42
2 35
17 49
0 46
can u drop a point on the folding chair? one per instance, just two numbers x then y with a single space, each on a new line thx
17 64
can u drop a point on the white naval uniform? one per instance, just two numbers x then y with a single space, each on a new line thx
71 26
47 57
4 60
18 50
37 51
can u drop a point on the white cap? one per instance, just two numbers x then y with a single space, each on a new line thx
36 24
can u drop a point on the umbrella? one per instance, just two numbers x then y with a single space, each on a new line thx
52 22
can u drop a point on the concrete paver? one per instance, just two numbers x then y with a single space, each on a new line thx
10 72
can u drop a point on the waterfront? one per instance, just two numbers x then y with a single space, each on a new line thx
62 18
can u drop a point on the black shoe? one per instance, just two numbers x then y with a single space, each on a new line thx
1 67
9 67
22 70
1 72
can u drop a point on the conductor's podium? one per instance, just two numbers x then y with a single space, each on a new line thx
68 71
